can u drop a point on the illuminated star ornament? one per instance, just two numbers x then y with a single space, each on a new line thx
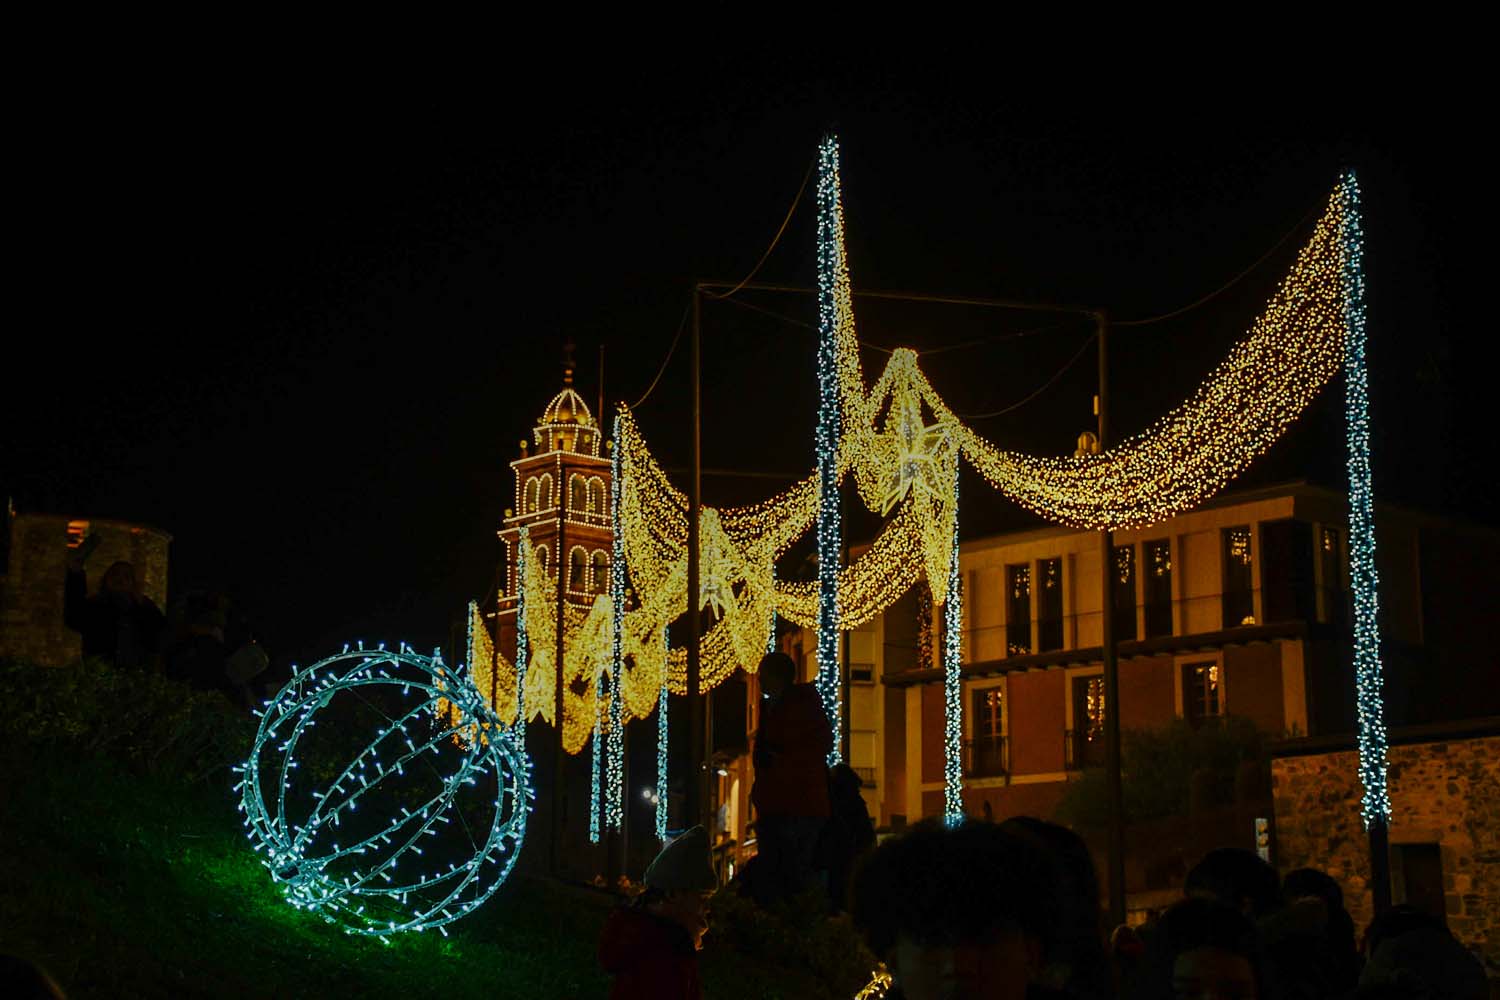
917 454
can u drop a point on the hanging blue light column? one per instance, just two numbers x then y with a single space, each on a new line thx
523 542
615 803
594 803
661 746
1368 679
829 528
953 700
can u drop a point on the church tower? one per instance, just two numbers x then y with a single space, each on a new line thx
562 497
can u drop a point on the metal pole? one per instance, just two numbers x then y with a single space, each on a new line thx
846 723
1380 864
560 757
697 804
1114 791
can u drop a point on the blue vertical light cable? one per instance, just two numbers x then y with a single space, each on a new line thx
953 702
1368 680
771 635
594 803
615 807
830 531
661 743
523 543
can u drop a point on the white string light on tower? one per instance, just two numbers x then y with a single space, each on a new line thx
830 530
1368 681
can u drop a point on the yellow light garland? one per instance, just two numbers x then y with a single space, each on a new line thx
904 463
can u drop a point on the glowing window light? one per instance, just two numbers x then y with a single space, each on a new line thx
364 869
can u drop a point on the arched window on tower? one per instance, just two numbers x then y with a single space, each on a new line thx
596 495
545 492
542 556
578 568
533 501
578 494
601 571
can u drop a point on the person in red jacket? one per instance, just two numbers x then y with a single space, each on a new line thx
790 793
651 945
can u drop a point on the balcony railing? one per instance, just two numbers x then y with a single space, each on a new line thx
1079 751
986 757
866 776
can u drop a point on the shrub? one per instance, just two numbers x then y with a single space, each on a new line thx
1166 771
141 720
795 933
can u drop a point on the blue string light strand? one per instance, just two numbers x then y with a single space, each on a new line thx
661 746
616 789
953 701
594 803
1368 679
393 842
523 652
771 600
829 529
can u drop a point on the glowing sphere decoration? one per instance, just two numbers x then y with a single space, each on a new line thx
371 806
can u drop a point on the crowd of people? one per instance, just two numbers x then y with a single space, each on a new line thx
984 911
199 643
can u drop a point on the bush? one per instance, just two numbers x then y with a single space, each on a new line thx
794 933
141 720
1163 772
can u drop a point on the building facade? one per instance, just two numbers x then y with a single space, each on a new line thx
35 569
1240 608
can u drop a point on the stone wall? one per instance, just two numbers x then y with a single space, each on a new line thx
1442 792
31 602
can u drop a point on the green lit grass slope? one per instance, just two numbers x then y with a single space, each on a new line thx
123 876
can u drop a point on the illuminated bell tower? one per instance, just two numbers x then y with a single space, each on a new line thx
562 497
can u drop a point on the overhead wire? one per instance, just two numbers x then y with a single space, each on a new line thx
774 240
681 325
1316 209
1041 389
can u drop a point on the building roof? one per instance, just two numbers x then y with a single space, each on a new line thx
567 408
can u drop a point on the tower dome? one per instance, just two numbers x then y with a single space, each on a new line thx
567 424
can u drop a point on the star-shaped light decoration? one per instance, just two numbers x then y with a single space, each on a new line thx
914 452
715 565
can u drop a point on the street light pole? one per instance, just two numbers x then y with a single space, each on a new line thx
697 779
1113 788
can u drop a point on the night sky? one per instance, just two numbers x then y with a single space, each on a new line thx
303 329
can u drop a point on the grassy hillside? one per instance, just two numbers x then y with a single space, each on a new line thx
124 872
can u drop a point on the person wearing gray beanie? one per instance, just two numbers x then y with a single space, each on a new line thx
651 945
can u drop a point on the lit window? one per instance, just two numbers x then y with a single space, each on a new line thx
1200 692
1018 610
1239 601
1158 570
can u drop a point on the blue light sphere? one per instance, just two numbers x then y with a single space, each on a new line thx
383 794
